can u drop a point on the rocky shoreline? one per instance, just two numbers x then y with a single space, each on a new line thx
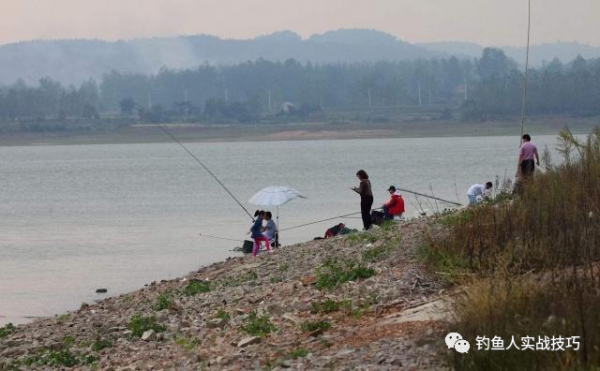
361 301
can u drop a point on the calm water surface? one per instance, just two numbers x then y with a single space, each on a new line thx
77 218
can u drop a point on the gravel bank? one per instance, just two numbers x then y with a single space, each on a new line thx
291 309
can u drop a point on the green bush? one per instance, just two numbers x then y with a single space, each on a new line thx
100 344
315 326
62 358
187 343
258 326
163 301
139 324
9 329
329 306
296 353
222 314
334 272
195 287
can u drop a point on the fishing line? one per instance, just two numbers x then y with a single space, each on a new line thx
431 197
352 214
205 168
219 238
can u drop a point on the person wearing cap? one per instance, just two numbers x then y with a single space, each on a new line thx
395 205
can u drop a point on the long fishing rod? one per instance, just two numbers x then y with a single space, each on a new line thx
526 77
219 238
348 215
320 221
428 196
205 168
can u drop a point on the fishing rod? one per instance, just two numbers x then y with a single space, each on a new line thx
352 214
219 238
526 77
432 197
321 221
205 168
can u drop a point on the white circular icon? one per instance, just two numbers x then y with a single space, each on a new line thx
452 338
462 346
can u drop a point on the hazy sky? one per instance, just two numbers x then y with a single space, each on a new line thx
487 22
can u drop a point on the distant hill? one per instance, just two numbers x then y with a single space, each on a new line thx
72 61
456 48
565 51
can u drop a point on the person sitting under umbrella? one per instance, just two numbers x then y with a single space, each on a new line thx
270 230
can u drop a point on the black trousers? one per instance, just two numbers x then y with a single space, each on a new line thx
366 202
527 168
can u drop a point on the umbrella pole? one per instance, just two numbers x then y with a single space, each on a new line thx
277 229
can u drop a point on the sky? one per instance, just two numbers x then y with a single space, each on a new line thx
486 22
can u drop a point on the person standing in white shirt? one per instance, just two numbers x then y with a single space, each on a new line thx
477 190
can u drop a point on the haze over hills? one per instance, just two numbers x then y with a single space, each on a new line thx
539 54
73 61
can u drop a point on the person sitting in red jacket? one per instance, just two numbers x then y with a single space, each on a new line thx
395 206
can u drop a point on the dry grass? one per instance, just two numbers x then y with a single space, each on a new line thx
531 263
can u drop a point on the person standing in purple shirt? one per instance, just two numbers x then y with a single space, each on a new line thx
528 158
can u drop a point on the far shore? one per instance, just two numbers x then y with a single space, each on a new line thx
149 133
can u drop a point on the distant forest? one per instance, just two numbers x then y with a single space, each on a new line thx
483 88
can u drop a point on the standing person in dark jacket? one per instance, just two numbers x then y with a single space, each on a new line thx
366 197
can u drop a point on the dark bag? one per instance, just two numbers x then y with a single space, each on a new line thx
377 217
247 247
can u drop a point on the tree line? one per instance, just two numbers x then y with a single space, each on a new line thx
489 86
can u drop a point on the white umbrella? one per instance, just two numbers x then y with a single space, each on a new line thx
275 196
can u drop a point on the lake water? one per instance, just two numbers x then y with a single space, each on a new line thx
77 218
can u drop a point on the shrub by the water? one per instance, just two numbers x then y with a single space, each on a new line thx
7 330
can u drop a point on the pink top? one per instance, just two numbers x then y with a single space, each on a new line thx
528 151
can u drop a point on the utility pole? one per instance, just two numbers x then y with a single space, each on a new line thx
466 87
419 88
369 93
270 107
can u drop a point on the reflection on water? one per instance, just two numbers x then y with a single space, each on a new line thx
76 218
